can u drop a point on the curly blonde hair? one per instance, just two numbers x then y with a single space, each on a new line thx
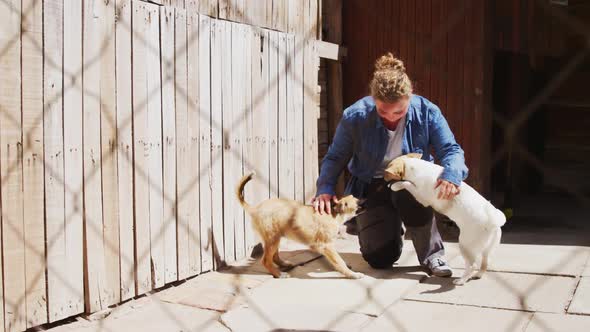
390 81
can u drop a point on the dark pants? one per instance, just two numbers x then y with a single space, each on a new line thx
379 227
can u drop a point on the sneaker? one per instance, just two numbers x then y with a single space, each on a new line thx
438 267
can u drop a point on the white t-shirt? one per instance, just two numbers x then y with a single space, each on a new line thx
394 146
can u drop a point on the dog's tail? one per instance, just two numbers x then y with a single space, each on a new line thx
496 216
240 191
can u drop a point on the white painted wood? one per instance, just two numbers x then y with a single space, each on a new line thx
11 167
183 167
108 137
154 136
251 53
125 148
32 122
273 113
217 31
205 28
191 194
284 167
95 268
229 137
70 289
167 23
239 122
141 148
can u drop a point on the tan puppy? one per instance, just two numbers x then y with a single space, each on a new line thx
278 217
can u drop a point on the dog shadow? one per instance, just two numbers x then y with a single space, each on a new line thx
318 268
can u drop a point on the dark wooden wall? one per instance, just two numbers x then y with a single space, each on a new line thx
446 46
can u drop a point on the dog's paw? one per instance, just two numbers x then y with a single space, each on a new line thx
356 275
478 275
397 186
284 275
459 282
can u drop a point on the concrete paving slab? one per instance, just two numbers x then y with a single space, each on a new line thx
411 316
317 283
543 259
302 317
581 301
500 290
543 322
213 291
156 317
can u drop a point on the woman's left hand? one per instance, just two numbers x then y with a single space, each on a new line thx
448 190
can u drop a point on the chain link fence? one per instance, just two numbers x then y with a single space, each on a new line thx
509 128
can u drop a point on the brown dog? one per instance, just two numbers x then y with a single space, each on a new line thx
278 217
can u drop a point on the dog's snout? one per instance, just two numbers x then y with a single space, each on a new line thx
361 206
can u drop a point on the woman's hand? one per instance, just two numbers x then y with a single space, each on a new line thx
322 203
448 190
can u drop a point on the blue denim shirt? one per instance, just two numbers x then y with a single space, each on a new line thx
361 141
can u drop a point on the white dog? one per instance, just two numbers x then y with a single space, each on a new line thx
478 220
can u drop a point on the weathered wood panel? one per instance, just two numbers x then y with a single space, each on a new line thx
145 131
141 147
70 289
125 147
95 288
167 24
13 235
216 165
205 161
33 186
185 182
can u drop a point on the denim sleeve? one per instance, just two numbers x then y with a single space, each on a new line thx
446 149
338 155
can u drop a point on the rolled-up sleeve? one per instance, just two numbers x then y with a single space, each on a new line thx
336 158
446 148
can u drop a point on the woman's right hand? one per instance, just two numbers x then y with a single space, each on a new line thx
323 203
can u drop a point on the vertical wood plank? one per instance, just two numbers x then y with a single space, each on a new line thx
191 192
238 10
95 268
125 148
454 72
141 148
259 185
182 48
11 167
208 7
268 17
205 28
293 123
310 109
229 137
238 121
465 90
248 160
108 137
71 290
33 186
224 9
217 30
156 204
285 175
273 112
167 24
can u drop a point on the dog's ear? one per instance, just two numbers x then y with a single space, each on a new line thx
395 170
414 155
